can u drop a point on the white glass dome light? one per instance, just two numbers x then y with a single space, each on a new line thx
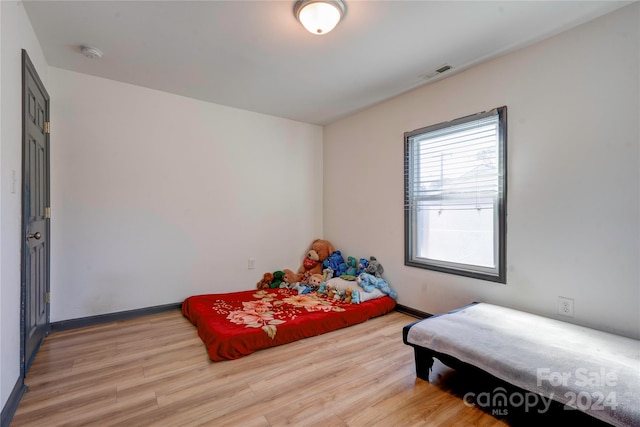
319 16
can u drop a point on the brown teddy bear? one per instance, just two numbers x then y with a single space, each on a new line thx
312 264
266 280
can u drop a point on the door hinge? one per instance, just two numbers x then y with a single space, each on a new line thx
47 212
48 297
47 127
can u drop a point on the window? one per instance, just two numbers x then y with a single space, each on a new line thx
455 196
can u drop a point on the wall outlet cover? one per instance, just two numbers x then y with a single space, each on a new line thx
565 306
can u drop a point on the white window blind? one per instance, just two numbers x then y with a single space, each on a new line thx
455 167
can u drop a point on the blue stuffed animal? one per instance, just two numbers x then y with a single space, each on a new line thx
323 288
369 282
355 297
362 264
301 288
335 261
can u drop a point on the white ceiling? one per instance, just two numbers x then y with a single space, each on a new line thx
254 55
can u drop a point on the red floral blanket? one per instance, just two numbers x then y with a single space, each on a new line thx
236 324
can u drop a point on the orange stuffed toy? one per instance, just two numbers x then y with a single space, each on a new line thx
312 264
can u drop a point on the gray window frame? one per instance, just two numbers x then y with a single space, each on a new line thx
477 272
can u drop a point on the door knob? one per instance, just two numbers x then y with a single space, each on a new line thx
35 235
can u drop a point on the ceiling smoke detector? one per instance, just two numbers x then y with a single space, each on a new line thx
91 52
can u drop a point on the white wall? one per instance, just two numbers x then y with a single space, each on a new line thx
573 177
17 34
156 197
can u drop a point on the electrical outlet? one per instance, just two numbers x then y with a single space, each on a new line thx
251 264
565 306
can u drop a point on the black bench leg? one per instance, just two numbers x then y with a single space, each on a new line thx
424 362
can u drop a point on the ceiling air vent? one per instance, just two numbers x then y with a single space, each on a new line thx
432 74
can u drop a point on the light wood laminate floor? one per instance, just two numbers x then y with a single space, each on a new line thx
154 370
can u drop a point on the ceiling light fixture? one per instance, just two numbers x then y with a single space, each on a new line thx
91 52
319 16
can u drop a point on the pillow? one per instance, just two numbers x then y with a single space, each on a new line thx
341 284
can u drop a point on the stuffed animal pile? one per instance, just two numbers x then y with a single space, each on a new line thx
321 263
271 280
313 261
311 265
335 264
369 282
348 296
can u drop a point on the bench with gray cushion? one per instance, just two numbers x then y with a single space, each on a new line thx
587 369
